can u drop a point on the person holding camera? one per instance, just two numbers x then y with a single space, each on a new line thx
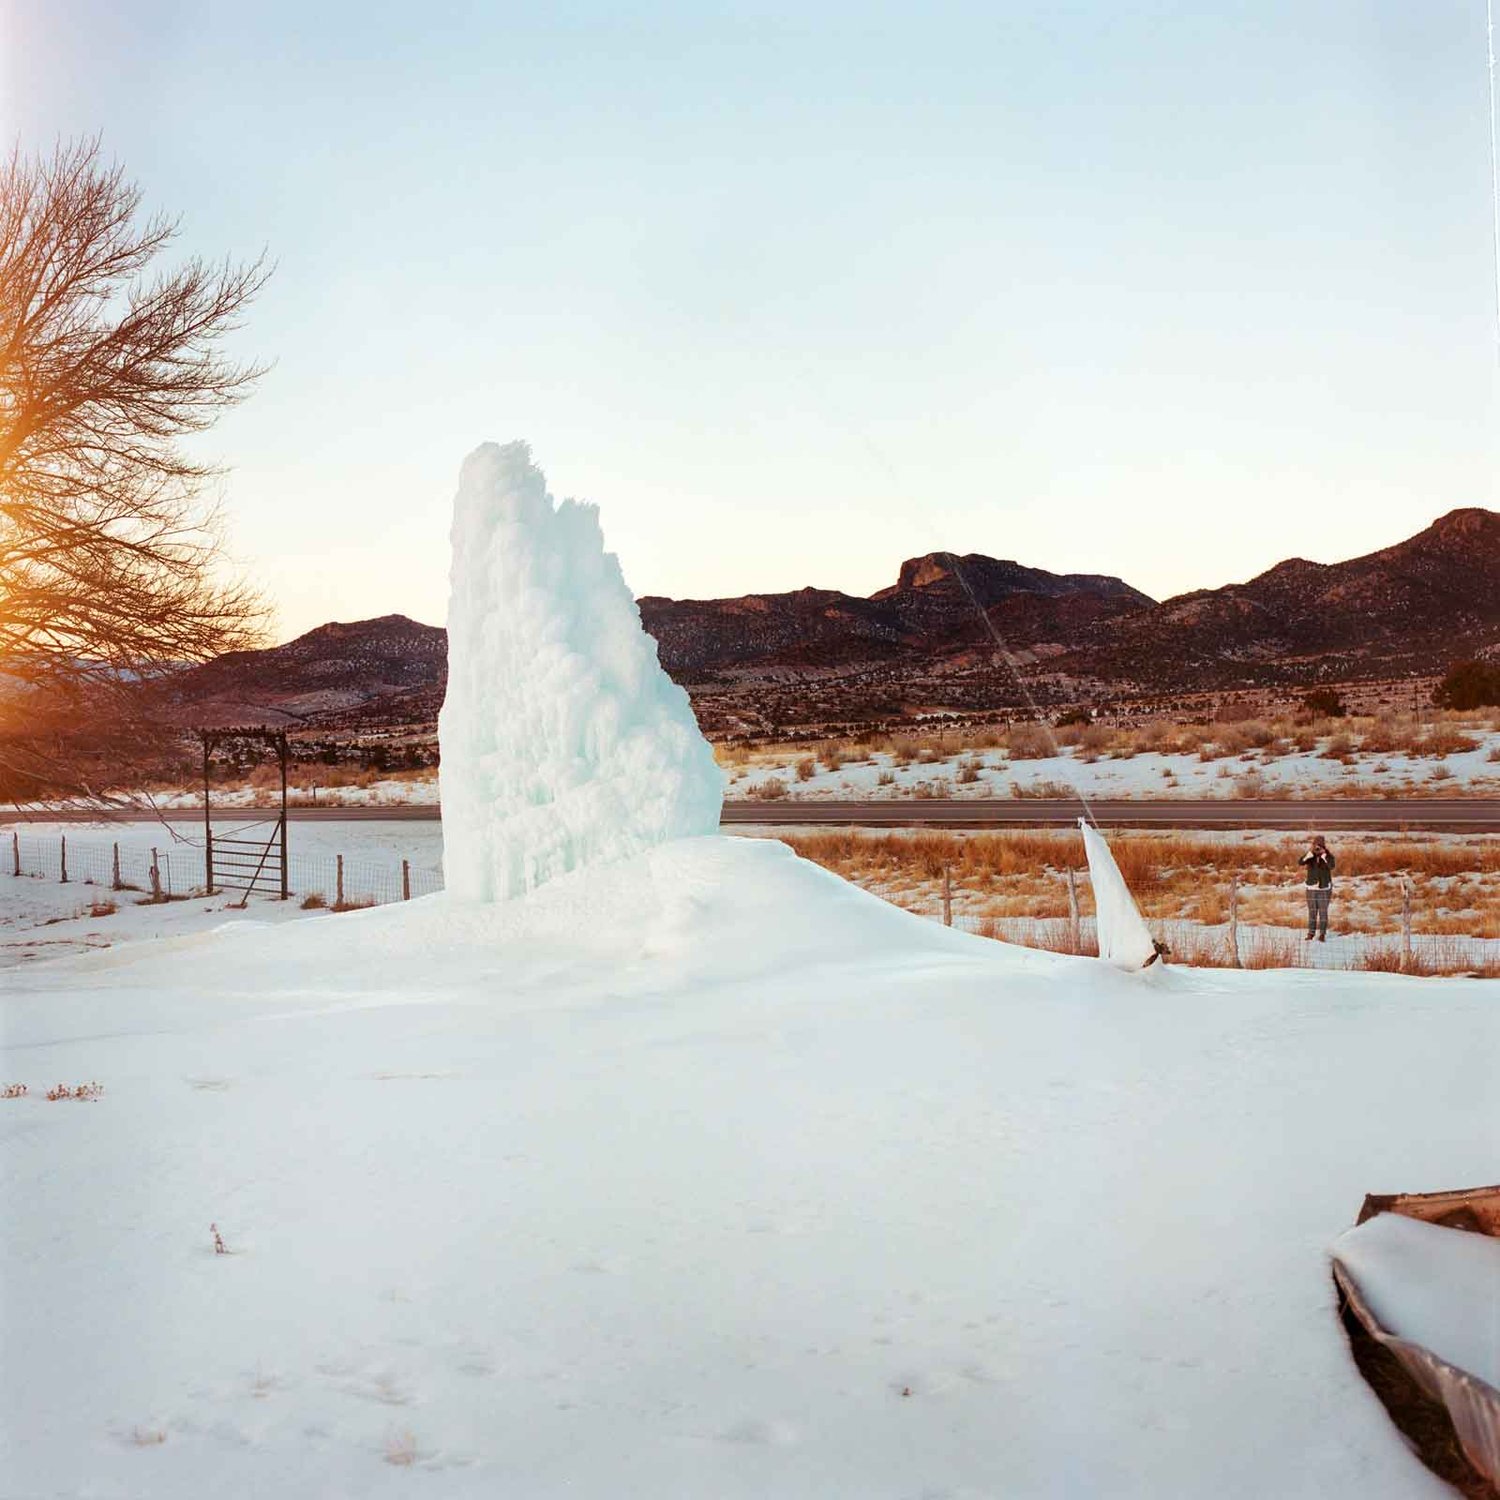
1318 863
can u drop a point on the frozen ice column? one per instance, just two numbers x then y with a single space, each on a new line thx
563 742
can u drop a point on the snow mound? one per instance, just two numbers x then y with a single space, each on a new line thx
564 744
1124 938
1430 1285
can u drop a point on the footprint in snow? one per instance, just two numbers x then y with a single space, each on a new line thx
774 1432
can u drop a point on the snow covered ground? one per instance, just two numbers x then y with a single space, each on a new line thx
1147 774
704 1174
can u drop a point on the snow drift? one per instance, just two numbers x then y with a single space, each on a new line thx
703 1173
564 743
1124 938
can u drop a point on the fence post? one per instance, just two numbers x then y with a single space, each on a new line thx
339 899
1234 923
406 880
155 878
1075 923
1405 923
15 854
947 897
64 841
114 883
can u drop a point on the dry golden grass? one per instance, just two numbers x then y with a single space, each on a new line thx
1184 881
1433 734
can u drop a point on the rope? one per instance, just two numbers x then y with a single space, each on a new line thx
1041 721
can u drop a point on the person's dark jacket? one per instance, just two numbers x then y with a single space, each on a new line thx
1319 864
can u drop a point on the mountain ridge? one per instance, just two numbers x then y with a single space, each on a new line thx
929 639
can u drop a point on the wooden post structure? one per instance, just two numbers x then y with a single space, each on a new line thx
339 899
15 854
406 880
1075 922
1405 923
208 827
64 856
1234 923
282 752
947 897
155 877
114 884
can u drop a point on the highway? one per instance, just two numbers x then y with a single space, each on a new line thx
1433 814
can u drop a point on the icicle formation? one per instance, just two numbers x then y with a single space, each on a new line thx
1124 938
563 741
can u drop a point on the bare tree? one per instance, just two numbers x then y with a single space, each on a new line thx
110 564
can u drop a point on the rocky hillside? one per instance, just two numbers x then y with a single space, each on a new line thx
1413 607
332 671
934 606
927 641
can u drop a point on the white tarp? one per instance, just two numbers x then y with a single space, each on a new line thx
1124 938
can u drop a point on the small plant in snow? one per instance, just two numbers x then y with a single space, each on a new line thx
220 1248
400 1449
13 1091
90 1091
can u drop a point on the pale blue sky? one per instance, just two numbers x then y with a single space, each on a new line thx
1165 290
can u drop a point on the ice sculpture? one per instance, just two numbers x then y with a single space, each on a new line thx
563 742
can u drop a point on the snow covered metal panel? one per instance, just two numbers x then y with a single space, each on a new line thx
1472 1402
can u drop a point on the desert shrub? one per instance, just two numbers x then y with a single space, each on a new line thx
1232 711
968 772
1095 739
768 790
832 757
1028 742
1445 739
904 750
1340 747
1234 740
314 901
886 778
806 768
1251 784
1323 703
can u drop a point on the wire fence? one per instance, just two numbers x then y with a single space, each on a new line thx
178 872
342 883
1247 946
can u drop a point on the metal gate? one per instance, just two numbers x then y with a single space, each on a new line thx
240 863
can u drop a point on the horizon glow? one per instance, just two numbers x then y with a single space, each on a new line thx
795 297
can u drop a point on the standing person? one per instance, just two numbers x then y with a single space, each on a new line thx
1318 862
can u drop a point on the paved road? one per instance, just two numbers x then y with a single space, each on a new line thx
1447 815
